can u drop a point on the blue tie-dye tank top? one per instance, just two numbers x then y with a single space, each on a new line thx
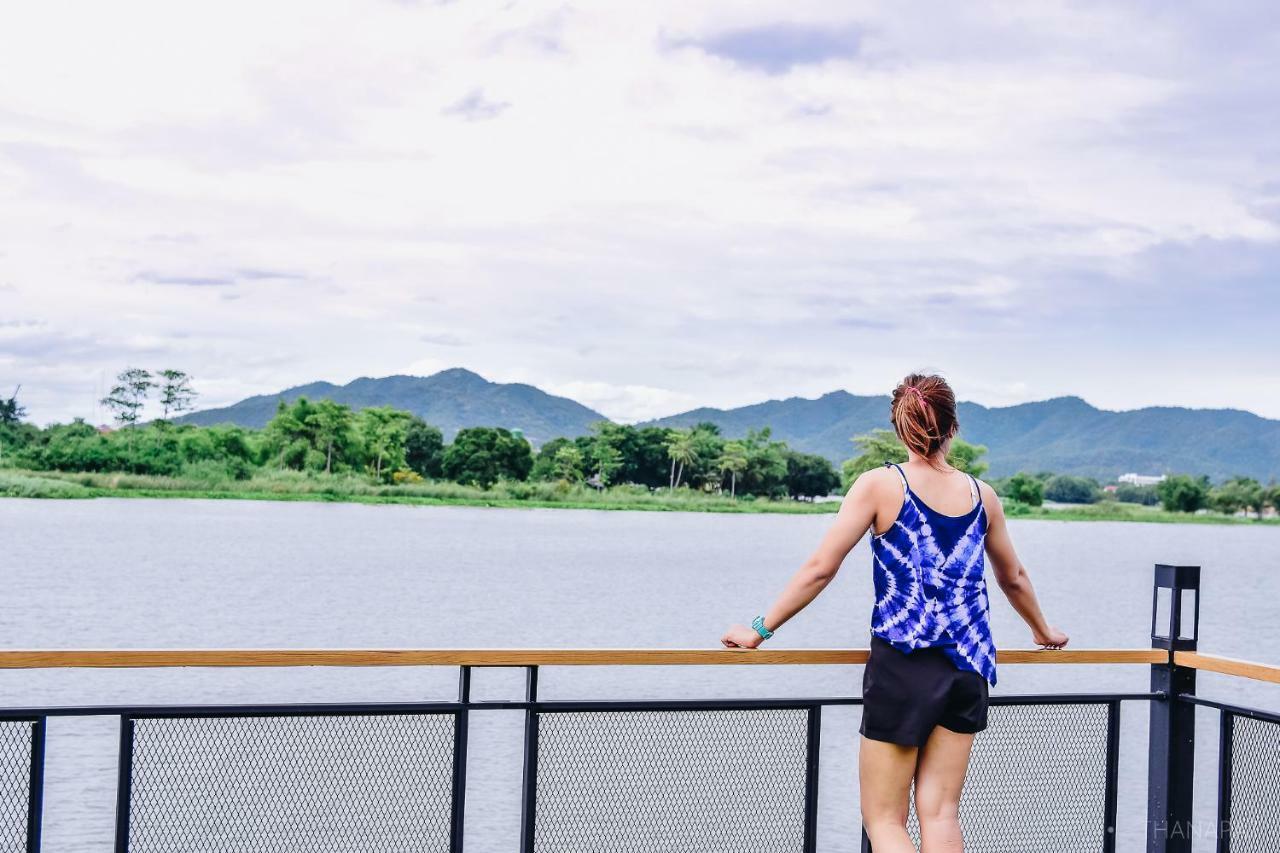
929 585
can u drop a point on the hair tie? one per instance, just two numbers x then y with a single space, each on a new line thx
913 389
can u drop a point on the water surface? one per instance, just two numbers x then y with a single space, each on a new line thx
115 573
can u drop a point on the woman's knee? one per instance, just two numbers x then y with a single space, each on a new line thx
886 831
937 804
879 812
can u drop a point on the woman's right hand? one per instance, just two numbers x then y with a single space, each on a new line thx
740 637
1052 638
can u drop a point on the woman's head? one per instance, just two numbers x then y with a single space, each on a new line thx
923 412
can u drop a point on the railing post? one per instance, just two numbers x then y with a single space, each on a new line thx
813 746
461 723
528 805
35 797
1111 792
1226 732
1175 620
124 784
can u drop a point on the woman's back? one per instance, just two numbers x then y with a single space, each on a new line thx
928 567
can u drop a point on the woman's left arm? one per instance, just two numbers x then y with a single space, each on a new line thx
857 512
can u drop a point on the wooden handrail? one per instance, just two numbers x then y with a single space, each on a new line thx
149 658
142 658
1228 666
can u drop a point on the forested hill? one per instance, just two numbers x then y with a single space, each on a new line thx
450 400
1064 434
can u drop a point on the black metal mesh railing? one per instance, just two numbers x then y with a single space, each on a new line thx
706 781
1037 781
1254 822
16 742
297 783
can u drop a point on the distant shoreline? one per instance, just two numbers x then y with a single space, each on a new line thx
55 485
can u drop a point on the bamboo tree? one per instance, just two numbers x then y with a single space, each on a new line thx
176 393
129 395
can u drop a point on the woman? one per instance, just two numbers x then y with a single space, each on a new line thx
925 685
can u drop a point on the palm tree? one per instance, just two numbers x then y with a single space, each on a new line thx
682 451
733 460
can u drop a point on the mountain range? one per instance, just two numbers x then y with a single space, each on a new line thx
450 400
1064 434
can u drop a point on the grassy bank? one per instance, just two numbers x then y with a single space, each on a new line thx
295 486
1115 511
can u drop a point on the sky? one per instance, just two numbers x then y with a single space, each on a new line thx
644 206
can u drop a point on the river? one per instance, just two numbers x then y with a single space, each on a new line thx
116 573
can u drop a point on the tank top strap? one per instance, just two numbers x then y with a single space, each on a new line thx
973 490
906 488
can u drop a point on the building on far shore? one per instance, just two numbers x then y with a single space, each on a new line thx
1141 479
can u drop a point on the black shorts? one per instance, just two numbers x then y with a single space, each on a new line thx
905 695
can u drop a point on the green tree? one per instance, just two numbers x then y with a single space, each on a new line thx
329 428
604 451
1024 488
682 451
76 446
567 463
312 436
882 445
481 456
1183 493
11 411
423 448
176 393
733 460
644 455
874 449
383 429
544 462
285 436
129 395
1066 489
1272 496
12 433
606 459
1239 493
227 448
766 471
810 475
967 457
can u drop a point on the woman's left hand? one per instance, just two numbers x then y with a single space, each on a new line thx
741 637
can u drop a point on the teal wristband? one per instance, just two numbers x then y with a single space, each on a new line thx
758 624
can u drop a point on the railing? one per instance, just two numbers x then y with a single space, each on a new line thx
696 775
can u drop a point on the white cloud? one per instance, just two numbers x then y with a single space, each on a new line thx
620 199
625 403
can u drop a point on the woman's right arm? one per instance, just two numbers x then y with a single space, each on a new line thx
1012 576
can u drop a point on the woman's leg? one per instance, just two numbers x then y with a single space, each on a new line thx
884 777
944 759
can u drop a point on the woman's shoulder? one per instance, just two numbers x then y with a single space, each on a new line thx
987 492
873 482
877 475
